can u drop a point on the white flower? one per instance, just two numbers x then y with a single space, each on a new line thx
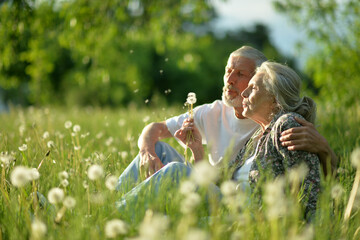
77 148
296 175
46 135
191 99
115 227
69 202
355 157
38 229
111 182
56 195
109 141
190 203
20 176
68 124
76 128
204 174
95 172
124 154
337 191
33 174
122 122
187 187
146 119
6 159
50 144
228 188
153 226
275 198
63 175
23 148
64 183
196 234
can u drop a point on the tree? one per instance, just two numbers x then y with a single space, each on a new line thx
335 27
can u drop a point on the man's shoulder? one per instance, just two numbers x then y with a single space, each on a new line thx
215 106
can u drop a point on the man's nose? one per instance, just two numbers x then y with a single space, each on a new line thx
231 78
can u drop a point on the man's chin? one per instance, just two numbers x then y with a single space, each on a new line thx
235 102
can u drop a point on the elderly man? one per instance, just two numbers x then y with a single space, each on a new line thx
221 126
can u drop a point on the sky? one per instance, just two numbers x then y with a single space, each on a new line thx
234 14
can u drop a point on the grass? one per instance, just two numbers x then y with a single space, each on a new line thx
108 138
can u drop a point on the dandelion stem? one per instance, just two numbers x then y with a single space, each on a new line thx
352 195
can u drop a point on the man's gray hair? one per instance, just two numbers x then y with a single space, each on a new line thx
250 53
285 84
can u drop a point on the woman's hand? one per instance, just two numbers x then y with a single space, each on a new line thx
190 135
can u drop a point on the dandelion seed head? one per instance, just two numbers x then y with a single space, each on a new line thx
99 135
28 139
69 202
22 130
97 198
146 119
68 124
196 234
189 204
204 174
115 227
337 191
77 148
33 174
111 182
147 101
64 183
191 99
85 184
153 226
76 128
124 154
95 172
46 135
6 159
122 122
63 175
109 141
296 175
50 144
56 195
20 176
355 157
275 198
23 148
228 188
187 187
38 229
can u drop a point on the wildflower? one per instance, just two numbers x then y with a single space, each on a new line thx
115 227
20 176
124 154
111 182
38 229
191 99
228 188
76 128
68 124
296 175
46 135
22 130
187 187
63 175
355 157
146 119
109 141
77 148
6 159
50 144
204 174
337 191
64 183
85 184
196 234
190 203
99 135
275 198
95 172
33 174
121 122
23 148
97 198
153 226
28 139
56 195
69 202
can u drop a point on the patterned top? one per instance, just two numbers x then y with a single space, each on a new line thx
276 160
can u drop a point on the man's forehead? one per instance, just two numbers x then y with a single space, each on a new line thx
241 63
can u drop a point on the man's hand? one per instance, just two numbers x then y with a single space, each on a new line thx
149 164
307 138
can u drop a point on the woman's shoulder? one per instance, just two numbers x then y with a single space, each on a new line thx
287 120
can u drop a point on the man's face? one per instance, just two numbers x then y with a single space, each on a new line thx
238 73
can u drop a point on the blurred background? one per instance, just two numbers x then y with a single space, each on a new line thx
120 52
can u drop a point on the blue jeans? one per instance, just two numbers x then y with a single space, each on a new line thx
174 169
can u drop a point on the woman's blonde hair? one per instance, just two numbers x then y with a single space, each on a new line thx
285 85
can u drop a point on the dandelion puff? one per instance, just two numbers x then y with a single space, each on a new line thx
23 148
115 227
20 176
275 198
228 188
38 229
153 226
111 182
63 175
204 174
56 195
85 184
191 99
187 187
109 141
296 175
355 157
69 202
146 119
46 135
64 183
33 174
122 122
50 144
68 124
76 128
124 154
196 234
337 191
189 204
6 159
77 148
95 172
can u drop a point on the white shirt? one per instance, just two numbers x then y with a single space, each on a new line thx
220 129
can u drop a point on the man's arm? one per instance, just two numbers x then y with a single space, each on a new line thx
149 161
307 138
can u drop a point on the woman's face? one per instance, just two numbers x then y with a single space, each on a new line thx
258 103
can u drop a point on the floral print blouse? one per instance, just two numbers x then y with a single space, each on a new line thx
274 158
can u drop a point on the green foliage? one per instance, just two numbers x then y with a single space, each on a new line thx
114 52
335 27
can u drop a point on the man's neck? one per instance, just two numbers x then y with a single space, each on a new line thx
238 112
